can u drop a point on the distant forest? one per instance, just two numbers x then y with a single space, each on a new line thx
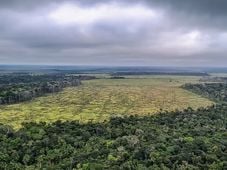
209 79
15 88
214 91
160 73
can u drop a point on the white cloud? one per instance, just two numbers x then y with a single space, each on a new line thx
181 43
75 14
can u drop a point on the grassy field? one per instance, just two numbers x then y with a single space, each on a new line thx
97 100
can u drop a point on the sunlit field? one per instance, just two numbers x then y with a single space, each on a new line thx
98 100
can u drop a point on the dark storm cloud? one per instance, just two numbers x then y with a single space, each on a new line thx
114 32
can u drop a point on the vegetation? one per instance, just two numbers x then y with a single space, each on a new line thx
117 77
127 73
215 91
98 100
110 124
15 88
175 140
16 78
16 93
214 79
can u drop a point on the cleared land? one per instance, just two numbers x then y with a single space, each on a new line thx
97 100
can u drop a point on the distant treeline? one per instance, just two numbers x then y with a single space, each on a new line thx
214 79
187 140
16 78
117 77
215 91
16 88
160 73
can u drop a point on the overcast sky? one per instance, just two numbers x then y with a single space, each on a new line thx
114 32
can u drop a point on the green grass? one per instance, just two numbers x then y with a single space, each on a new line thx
97 100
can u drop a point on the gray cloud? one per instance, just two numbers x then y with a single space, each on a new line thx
114 32
204 7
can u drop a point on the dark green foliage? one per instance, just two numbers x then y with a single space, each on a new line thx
176 140
15 78
16 88
117 77
215 91
214 79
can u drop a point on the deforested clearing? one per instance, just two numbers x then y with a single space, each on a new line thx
98 100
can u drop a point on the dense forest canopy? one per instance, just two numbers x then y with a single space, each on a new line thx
215 91
177 140
16 88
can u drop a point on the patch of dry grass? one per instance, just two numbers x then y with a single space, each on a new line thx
97 100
